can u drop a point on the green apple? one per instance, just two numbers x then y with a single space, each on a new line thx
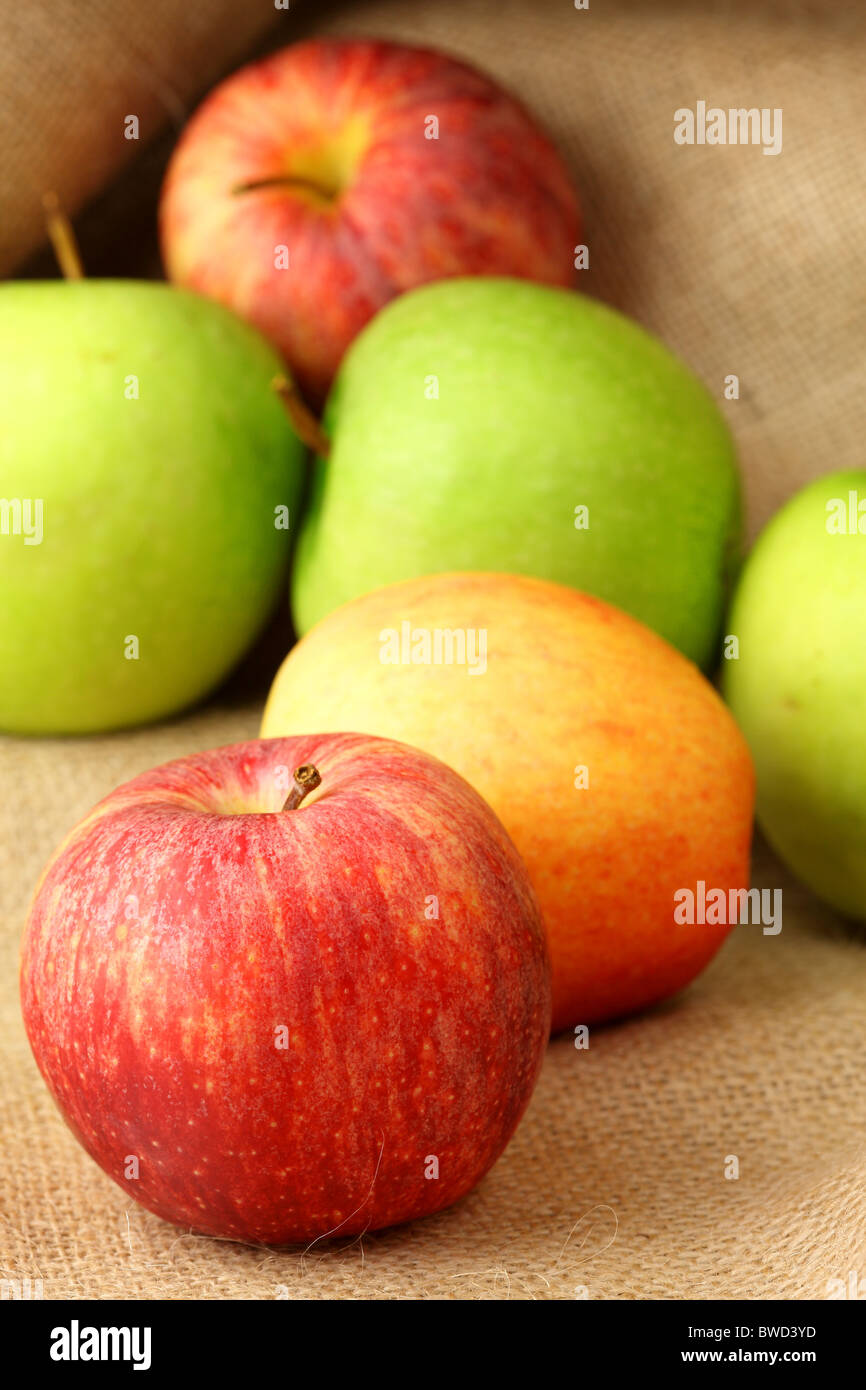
798 685
143 461
496 424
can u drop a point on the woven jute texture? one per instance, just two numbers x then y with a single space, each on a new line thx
615 1184
73 72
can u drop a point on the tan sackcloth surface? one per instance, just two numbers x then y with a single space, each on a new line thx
614 1184
72 71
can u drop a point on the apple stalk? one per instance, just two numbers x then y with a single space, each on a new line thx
302 419
307 778
62 238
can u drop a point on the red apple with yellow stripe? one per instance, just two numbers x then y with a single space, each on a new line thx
313 186
289 989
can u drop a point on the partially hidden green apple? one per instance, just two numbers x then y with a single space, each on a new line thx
148 474
496 424
797 685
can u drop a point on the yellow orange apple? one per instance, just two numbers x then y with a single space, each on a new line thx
614 765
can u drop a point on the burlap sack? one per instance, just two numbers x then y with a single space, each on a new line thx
72 73
615 1185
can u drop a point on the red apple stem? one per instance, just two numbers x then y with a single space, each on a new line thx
284 181
62 238
304 422
307 778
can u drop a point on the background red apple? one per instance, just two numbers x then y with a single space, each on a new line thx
277 1025
375 167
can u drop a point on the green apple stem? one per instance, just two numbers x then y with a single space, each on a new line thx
304 422
62 238
307 778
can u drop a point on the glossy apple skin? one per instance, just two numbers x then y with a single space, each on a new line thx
187 918
491 195
543 401
798 686
160 510
570 682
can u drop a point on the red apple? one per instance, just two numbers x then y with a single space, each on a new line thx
375 167
250 1013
